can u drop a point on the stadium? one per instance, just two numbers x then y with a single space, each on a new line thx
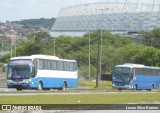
120 18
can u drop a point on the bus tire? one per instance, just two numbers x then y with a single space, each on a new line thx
120 89
64 86
19 89
135 87
40 86
152 87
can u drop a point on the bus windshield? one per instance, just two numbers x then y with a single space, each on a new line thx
121 74
19 70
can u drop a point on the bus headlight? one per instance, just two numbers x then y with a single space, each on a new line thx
27 82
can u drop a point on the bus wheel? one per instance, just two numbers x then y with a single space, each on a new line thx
119 89
64 86
40 86
135 87
152 87
19 89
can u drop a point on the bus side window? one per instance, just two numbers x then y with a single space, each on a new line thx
67 66
54 65
35 63
158 72
41 64
73 66
61 65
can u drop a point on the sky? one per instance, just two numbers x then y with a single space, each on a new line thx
15 10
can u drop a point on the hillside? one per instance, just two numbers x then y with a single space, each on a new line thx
37 23
19 30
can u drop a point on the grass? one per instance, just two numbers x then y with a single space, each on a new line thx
92 84
82 99
3 79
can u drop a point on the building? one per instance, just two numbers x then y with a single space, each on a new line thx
121 18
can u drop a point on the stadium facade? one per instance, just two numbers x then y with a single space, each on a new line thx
121 18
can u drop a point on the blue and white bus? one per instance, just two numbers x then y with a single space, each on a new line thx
41 72
135 76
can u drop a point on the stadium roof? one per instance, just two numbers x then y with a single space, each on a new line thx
115 17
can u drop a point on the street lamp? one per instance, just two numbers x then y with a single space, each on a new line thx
54 42
100 48
1 42
89 56
11 40
89 48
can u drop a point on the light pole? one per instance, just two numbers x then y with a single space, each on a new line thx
54 42
1 35
11 48
15 46
100 49
89 48
54 46
11 39
89 56
2 42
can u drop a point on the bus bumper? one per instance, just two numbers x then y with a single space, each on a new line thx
23 86
121 87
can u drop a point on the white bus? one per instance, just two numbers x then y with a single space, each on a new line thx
41 72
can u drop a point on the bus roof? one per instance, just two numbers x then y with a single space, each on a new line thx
136 65
49 57
130 65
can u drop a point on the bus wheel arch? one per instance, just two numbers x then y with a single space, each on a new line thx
135 87
64 86
152 86
40 85
19 88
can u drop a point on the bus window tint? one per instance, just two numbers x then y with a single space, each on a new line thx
122 70
73 66
47 65
35 63
54 65
57 65
60 65
66 66
147 71
41 64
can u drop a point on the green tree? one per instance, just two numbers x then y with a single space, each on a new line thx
138 54
151 38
